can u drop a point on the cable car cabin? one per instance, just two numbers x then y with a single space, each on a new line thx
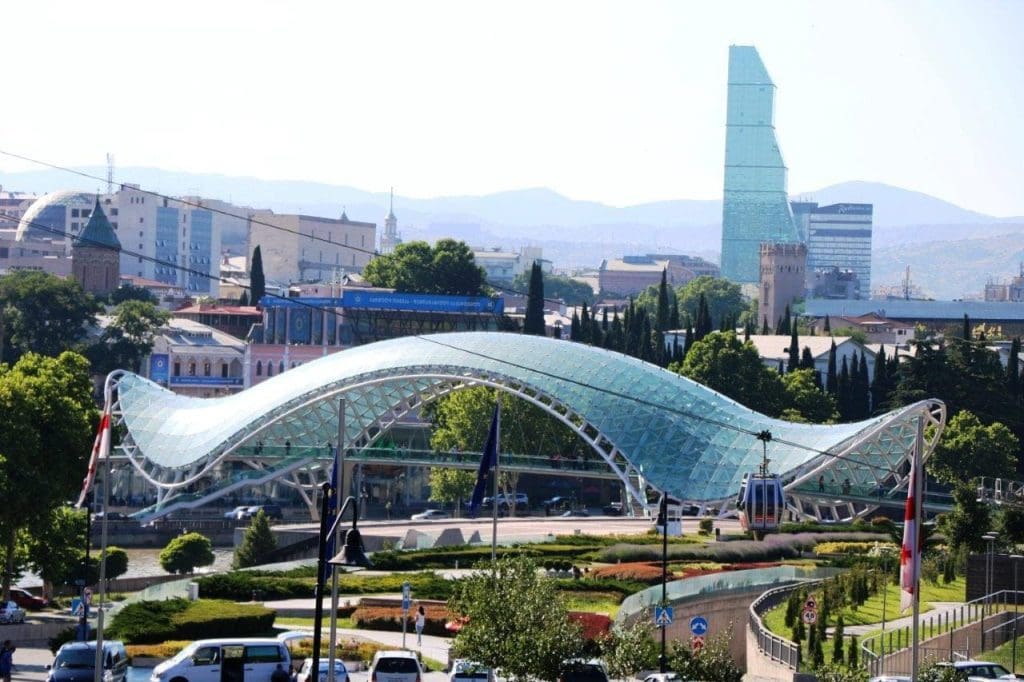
761 503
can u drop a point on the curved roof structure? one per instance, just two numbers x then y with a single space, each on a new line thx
50 210
651 426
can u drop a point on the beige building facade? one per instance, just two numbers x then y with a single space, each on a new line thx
301 248
783 271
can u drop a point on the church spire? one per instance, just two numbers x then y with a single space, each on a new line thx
391 205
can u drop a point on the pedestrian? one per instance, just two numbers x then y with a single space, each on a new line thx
280 674
6 661
387 508
421 620
821 484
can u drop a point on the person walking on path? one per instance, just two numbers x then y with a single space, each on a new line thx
6 661
421 620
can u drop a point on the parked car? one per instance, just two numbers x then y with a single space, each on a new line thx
579 670
979 670
26 600
238 512
470 671
11 613
521 499
306 674
213 660
273 511
662 677
891 678
76 661
111 516
558 502
395 666
612 509
578 513
430 515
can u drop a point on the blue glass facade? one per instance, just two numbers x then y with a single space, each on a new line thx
166 251
755 206
838 236
200 251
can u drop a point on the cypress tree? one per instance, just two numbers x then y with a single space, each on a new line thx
967 328
806 359
673 315
584 323
828 325
787 321
879 381
534 322
661 321
853 659
574 328
837 650
782 367
244 298
863 387
257 282
596 337
765 329
257 542
794 351
844 391
604 320
746 332
831 378
703 325
647 352
614 340
688 343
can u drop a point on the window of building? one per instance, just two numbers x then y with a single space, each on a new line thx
270 369
74 213
280 368
206 369
142 220
224 371
191 369
140 233
86 212
177 369
113 211
114 224
259 368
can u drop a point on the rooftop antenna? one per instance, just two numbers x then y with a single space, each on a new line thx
110 173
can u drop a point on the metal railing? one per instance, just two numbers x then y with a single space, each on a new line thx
779 649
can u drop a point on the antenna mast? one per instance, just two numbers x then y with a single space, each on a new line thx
110 173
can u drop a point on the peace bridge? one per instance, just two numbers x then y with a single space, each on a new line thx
650 429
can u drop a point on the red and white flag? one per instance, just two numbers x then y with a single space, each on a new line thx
100 450
910 553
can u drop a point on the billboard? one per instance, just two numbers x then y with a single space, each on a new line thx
158 368
391 300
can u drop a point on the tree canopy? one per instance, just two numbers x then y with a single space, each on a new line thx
128 338
723 363
257 280
451 486
187 552
515 619
724 299
534 321
42 313
969 449
258 541
573 292
416 267
47 415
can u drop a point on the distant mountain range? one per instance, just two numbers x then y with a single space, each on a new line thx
579 234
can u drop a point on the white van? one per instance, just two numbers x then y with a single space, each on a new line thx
225 660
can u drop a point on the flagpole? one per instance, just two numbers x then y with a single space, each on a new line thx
494 506
918 479
339 478
105 452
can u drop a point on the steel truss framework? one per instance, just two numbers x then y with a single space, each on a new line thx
651 427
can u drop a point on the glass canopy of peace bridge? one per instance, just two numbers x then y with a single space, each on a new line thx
651 428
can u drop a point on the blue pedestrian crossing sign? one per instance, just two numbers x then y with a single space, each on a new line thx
698 626
663 616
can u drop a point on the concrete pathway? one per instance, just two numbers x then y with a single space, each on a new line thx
939 608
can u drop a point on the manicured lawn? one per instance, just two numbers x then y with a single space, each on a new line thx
594 602
308 622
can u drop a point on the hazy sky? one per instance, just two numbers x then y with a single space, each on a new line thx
619 102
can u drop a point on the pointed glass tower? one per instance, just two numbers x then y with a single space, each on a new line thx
755 207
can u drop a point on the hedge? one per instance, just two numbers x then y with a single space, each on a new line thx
637 571
772 548
152 622
240 585
390 618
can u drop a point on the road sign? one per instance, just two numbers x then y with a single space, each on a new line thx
697 642
810 616
699 626
406 603
663 615
406 590
810 604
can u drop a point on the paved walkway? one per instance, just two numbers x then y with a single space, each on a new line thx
940 608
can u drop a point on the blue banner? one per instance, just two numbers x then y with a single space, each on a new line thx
299 323
389 300
206 381
158 368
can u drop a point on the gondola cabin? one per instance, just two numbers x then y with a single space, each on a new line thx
761 503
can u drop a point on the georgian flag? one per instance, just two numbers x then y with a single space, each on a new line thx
910 553
100 450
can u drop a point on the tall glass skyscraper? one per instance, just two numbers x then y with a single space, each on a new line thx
755 207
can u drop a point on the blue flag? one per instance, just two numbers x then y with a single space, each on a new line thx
332 512
488 461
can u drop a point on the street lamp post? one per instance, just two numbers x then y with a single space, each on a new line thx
352 554
662 658
1015 558
990 560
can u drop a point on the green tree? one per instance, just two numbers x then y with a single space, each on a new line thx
836 672
128 338
1010 525
534 322
187 552
54 546
117 562
257 281
713 663
258 542
723 364
446 268
451 486
837 642
723 298
573 292
969 520
629 649
794 351
42 313
47 417
515 619
805 397
969 449
130 292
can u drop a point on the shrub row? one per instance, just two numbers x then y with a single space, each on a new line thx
390 618
151 622
594 625
240 585
772 548
635 571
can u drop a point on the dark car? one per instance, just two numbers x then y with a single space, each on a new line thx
76 662
582 671
612 509
273 511
558 502
579 513
26 600
112 516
